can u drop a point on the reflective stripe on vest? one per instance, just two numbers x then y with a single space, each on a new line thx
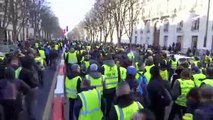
126 113
186 86
111 76
96 82
72 58
71 87
208 82
91 105
17 72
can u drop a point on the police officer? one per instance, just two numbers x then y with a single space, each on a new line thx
209 78
125 106
89 104
180 90
72 86
96 78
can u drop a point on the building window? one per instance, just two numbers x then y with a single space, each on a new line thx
195 24
1 7
180 26
166 27
141 31
165 41
194 42
136 32
136 39
148 26
179 39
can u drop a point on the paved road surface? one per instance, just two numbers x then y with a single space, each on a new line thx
42 95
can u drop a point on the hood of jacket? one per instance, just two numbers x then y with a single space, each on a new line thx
72 75
95 74
124 100
109 62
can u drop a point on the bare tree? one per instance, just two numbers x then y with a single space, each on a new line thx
129 23
119 11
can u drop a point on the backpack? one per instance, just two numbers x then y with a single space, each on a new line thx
142 87
142 90
165 96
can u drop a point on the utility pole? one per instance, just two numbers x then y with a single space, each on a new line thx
207 24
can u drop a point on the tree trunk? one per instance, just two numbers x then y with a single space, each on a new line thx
101 35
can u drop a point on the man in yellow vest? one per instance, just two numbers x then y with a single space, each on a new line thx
163 70
126 107
89 104
85 64
96 78
180 90
149 65
122 71
72 57
72 86
209 78
198 76
42 53
111 72
174 63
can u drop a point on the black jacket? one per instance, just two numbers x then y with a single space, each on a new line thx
155 90
204 112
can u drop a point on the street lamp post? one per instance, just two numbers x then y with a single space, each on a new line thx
207 24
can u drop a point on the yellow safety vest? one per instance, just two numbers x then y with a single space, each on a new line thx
138 75
71 87
42 54
127 113
41 61
186 86
123 72
164 74
87 64
196 63
130 56
208 82
1 57
91 105
187 116
137 66
72 58
65 54
56 47
198 78
36 45
147 74
111 76
17 72
96 82
174 64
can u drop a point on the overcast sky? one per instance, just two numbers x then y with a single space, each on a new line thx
70 12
